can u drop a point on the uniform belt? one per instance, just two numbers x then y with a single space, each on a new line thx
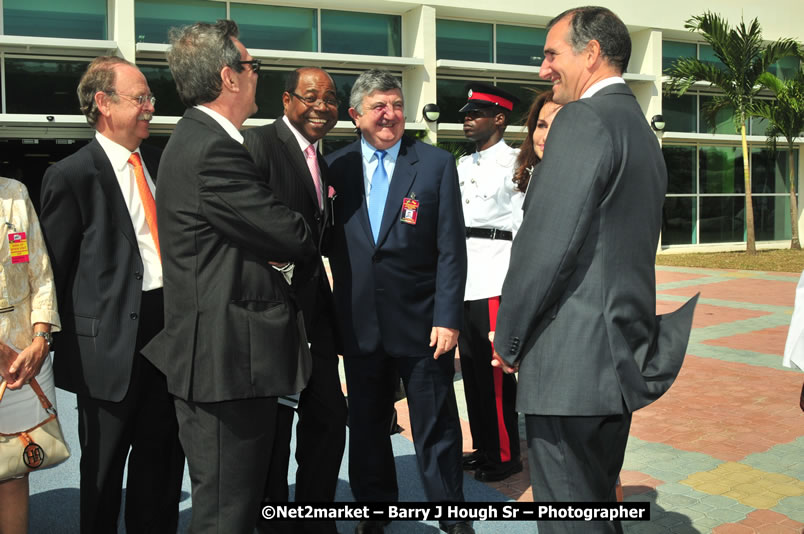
489 233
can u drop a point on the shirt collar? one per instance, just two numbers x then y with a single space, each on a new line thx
303 142
118 154
597 86
368 150
489 152
225 123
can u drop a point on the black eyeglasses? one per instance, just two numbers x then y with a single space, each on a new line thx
255 64
140 100
313 101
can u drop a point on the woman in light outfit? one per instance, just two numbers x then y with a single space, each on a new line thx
27 316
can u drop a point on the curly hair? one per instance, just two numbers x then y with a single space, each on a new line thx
527 158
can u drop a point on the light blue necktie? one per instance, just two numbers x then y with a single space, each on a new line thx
377 195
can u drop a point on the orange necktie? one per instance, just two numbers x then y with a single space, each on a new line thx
147 199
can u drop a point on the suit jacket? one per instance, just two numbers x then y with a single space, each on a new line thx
282 164
230 326
98 271
579 301
391 294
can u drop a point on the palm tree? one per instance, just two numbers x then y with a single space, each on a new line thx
744 58
786 118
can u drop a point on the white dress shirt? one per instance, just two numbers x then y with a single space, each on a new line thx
489 201
124 172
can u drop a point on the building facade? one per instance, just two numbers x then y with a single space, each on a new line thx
435 49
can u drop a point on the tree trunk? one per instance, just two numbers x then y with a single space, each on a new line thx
750 238
794 243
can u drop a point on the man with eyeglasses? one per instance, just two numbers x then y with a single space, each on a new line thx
99 222
287 154
233 340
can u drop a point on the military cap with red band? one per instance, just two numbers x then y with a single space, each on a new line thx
484 96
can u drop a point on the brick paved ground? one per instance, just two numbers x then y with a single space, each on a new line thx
723 450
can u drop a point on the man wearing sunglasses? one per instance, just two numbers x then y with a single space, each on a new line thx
99 222
287 152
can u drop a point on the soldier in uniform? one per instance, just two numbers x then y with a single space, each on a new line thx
491 210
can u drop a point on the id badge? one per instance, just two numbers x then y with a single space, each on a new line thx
410 210
18 245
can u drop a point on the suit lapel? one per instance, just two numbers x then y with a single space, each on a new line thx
297 157
401 182
105 175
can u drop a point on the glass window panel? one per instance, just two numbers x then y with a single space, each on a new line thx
722 219
520 45
786 68
758 126
270 86
673 50
276 28
724 121
160 80
678 221
349 32
771 218
451 97
769 172
680 113
707 55
681 169
76 19
467 41
343 88
721 169
153 18
43 85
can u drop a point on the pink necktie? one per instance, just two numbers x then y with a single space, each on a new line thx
312 164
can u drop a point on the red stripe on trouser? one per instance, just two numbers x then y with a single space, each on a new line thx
497 374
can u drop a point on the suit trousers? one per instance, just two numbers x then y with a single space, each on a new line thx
490 393
320 439
228 447
371 385
144 423
576 459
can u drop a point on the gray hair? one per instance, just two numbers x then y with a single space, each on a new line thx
369 82
100 76
602 25
196 56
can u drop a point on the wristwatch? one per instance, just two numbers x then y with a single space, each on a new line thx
46 335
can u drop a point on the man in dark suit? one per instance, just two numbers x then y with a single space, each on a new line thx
398 257
99 223
231 342
577 313
287 154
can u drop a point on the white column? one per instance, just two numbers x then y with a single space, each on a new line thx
121 28
419 82
646 58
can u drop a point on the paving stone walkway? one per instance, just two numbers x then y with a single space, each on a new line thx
723 450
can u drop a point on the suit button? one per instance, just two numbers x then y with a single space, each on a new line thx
138 275
317 217
133 315
374 259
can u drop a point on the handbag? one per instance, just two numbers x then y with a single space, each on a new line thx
36 448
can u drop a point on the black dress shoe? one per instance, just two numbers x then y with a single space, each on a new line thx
497 472
459 528
368 526
473 460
